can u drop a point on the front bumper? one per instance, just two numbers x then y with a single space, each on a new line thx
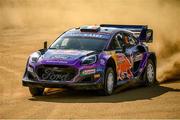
87 77
47 84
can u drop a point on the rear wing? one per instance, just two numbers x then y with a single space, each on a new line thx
141 32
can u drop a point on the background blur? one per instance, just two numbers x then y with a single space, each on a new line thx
25 24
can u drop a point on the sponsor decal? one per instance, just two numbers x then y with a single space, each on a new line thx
50 75
87 67
88 72
99 69
63 57
102 61
55 61
68 52
94 35
120 58
124 67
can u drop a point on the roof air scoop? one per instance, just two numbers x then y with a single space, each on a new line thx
90 28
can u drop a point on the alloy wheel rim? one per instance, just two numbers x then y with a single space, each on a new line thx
150 73
110 82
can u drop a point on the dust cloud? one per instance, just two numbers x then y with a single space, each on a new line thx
163 16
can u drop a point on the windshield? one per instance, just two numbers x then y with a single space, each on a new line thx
79 43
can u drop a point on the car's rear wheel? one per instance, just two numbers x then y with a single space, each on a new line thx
109 81
149 76
36 91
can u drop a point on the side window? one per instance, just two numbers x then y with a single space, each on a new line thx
119 38
132 40
114 45
128 40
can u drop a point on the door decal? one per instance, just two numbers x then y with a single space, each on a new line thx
124 67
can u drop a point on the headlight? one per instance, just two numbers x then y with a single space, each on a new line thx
34 57
89 60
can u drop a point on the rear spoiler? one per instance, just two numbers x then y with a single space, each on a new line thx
141 32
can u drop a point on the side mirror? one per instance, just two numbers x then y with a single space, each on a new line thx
45 44
149 36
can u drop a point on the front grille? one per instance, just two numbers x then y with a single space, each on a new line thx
56 73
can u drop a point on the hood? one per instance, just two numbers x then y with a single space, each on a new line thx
63 56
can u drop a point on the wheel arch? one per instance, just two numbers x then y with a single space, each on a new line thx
111 63
152 57
142 48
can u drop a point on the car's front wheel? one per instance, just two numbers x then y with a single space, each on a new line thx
36 91
109 81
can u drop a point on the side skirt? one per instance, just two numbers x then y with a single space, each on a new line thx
123 84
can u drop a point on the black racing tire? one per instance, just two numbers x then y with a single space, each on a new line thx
36 91
109 82
149 76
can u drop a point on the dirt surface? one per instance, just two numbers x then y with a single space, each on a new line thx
155 102
26 24
16 102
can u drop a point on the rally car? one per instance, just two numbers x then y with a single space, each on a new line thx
93 57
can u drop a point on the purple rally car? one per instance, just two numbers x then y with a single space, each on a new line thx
93 57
